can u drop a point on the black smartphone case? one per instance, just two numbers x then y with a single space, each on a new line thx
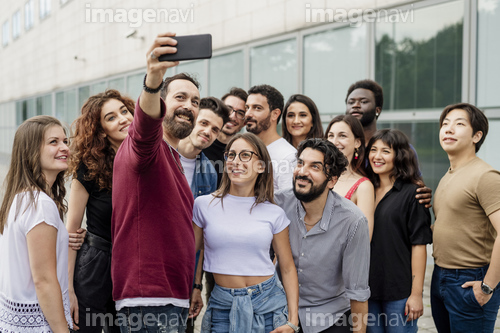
190 48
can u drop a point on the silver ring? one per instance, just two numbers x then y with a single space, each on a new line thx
152 55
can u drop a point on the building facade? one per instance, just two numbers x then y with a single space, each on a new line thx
425 54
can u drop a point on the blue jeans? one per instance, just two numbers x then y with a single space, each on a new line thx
455 309
153 319
389 316
261 307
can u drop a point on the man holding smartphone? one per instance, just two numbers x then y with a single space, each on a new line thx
153 255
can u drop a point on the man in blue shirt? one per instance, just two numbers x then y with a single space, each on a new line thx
199 171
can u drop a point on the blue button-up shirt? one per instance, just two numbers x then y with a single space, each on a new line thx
204 178
332 259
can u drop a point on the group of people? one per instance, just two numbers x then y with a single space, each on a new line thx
319 231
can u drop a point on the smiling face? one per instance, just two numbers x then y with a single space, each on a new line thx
208 126
309 178
341 135
235 124
258 115
381 157
456 133
243 173
361 104
54 153
115 121
298 120
183 103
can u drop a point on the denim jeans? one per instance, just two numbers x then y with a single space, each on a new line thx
455 309
261 307
389 316
153 319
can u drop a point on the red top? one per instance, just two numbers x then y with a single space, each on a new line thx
153 240
354 188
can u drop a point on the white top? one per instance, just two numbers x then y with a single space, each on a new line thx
189 165
19 308
237 241
283 157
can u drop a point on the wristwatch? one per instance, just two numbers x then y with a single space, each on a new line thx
295 328
198 286
487 290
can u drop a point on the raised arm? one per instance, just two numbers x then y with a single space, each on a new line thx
150 103
42 243
76 208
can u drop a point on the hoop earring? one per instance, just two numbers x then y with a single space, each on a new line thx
355 153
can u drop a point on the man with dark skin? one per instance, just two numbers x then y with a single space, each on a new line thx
364 101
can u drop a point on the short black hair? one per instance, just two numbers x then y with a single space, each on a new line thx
236 92
371 85
335 161
217 106
180 76
477 118
274 97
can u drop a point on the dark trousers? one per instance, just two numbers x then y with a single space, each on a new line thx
93 287
455 309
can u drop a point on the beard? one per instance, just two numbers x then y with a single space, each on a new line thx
179 130
261 126
368 117
313 193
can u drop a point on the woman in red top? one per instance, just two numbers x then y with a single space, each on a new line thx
346 133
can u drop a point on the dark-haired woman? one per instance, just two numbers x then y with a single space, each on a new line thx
237 224
401 231
33 240
346 133
301 120
98 133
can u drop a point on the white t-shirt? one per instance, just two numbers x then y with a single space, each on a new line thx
19 308
189 164
284 161
237 241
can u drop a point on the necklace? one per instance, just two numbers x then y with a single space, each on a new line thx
311 224
181 169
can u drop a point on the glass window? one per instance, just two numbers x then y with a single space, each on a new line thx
134 85
489 149
488 48
5 33
197 70
419 63
44 8
83 95
97 88
117 84
29 10
72 108
61 107
225 71
424 136
333 60
44 105
30 108
275 64
16 24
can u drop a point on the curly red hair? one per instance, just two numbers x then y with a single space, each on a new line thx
89 145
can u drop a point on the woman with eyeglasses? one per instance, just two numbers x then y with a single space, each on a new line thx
237 225
301 120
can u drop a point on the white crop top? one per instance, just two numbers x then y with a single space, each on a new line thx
237 242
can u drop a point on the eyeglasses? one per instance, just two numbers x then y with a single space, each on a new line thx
240 114
244 155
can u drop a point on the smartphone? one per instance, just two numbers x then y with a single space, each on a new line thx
190 47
